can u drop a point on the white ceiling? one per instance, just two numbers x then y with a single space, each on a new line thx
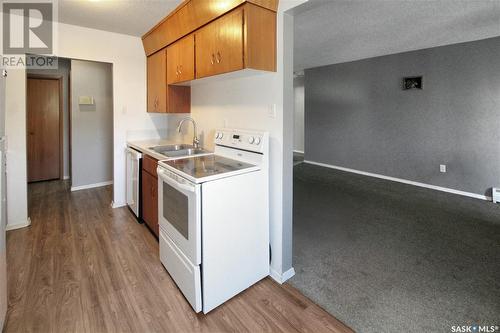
335 31
131 17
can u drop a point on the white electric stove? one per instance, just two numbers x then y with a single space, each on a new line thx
214 218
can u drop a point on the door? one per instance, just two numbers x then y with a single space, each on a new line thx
180 60
219 45
150 201
157 81
43 127
179 213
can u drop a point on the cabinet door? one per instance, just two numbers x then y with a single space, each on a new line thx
150 201
157 81
180 60
205 54
219 45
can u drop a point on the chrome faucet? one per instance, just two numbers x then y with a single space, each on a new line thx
196 141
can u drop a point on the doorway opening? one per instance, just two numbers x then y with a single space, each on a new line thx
69 123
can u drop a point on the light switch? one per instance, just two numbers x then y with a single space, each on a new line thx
442 168
272 111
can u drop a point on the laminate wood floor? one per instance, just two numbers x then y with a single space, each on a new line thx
84 267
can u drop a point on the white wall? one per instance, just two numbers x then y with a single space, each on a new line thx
298 128
129 105
15 130
238 101
91 125
3 213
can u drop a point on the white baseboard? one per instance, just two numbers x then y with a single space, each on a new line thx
84 187
118 204
281 278
298 151
404 181
18 225
65 177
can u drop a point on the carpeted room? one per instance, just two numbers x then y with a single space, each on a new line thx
388 257
394 224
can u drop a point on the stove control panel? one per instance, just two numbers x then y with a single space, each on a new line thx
241 139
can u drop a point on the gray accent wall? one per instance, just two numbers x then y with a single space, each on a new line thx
91 125
357 116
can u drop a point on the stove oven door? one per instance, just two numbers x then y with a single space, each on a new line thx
179 213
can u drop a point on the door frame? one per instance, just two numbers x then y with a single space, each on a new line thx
59 78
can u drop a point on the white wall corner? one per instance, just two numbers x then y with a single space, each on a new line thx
118 204
282 277
18 225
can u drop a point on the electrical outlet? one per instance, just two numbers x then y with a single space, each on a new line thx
442 168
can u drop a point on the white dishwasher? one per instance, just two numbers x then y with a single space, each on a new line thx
134 159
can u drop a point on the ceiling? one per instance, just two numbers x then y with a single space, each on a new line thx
335 31
131 17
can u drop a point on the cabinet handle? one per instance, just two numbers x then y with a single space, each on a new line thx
212 60
219 58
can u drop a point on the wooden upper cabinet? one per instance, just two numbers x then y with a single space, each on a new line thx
189 16
180 64
219 45
157 82
243 38
241 35
162 98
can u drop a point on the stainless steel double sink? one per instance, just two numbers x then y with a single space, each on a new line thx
179 150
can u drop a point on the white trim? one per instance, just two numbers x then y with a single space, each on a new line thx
118 204
66 177
298 151
281 278
404 181
18 225
84 187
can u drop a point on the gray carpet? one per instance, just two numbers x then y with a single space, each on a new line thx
388 257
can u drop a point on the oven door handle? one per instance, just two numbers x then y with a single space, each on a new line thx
172 182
